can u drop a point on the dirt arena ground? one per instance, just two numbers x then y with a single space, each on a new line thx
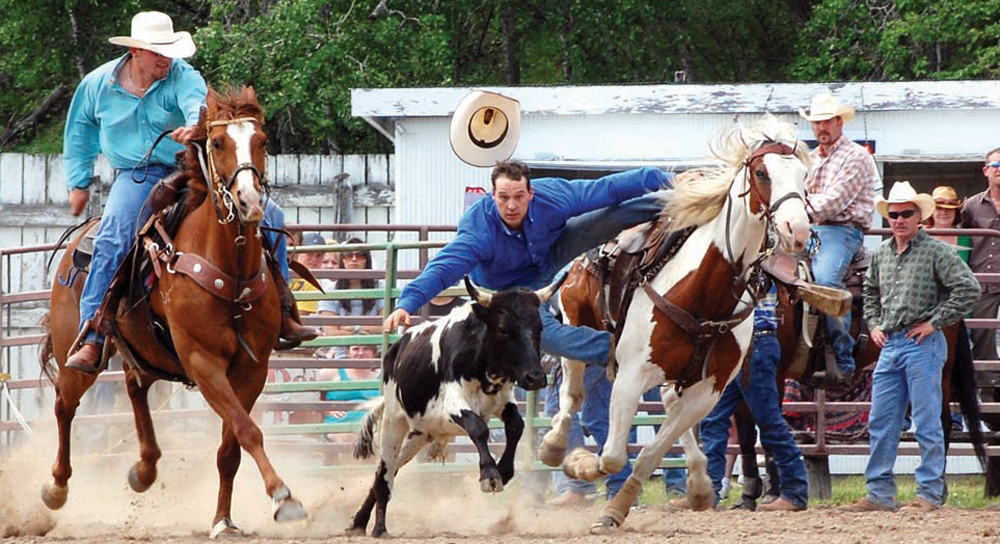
425 507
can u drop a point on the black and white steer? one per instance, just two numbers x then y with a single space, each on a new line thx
450 376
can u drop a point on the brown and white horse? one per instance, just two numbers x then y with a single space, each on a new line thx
216 299
687 325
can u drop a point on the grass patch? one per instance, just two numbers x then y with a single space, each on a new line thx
964 491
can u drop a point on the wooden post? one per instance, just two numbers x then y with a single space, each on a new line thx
818 475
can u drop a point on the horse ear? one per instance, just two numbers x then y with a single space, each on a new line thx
251 94
202 115
212 100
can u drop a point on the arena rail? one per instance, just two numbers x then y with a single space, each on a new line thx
13 424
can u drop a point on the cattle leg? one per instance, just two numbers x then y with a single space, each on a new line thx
552 451
479 433
143 473
513 426
393 432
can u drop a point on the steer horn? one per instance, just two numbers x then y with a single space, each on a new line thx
483 299
545 293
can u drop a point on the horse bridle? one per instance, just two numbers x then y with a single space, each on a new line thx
220 188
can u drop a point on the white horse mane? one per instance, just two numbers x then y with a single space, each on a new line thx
700 193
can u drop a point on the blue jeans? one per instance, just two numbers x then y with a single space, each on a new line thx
907 373
838 244
762 396
583 233
117 232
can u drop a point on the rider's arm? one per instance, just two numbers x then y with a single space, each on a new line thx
81 136
454 261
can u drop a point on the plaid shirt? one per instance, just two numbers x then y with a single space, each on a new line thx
927 281
841 186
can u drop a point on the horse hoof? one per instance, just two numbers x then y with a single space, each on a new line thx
290 510
603 526
583 465
700 502
491 485
550 454
54 496
225 528
135 483
354 531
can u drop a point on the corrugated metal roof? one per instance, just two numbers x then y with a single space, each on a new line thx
681 99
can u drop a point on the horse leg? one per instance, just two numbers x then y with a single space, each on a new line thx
227 461
70 387
218 392
682 415
552 451
143 473
628 387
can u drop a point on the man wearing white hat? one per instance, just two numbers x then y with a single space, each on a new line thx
120 109
840 191
916 285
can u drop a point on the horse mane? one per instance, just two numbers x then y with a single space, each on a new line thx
700 193
223 104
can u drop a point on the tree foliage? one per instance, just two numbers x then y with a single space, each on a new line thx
304 56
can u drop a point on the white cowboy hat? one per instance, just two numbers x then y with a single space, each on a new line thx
154 31
902 192
485 128
825 107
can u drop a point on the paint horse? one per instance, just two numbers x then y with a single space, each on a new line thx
209 319
687 321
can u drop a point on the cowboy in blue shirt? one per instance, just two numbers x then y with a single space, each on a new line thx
120 109
527 231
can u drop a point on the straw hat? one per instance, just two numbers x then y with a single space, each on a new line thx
154 31
826 107
485 128
902 192
945 197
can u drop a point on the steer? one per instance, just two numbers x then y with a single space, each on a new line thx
450 376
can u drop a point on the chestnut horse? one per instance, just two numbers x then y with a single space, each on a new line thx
686 324
222 331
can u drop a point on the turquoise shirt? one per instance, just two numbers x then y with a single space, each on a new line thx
105 118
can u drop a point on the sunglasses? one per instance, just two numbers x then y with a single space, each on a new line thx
354 255
905 214
993 165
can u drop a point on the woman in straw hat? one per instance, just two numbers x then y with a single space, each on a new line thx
120 109
946 216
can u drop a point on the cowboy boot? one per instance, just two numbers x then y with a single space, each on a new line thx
292 331
87 358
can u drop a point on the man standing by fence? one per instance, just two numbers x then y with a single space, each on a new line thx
916 286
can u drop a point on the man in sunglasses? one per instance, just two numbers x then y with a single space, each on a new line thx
982 211
840 191
916 286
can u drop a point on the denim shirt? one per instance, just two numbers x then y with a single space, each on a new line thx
105 118
500 258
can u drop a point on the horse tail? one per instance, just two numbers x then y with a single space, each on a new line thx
963 377
46 353
364 446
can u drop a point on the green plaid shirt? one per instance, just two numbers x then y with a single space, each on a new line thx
927 281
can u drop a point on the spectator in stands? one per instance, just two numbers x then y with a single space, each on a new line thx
331 261
915 286
312 261
946 216
354 260
359 395
982 211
